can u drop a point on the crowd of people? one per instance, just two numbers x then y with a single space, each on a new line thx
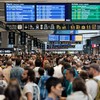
50 77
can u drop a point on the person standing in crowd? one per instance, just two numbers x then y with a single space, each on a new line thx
54 88
17 71
79 91
6 71
12 92
49 73
38 64
3 83
91 84
30 90
58 69
70 74
94 70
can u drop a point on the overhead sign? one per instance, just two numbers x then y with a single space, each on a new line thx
50 12
85 12
19 12
65 12
53 37
46 26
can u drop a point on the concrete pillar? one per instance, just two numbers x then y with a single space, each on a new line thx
4 36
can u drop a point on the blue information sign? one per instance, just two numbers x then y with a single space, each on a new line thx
50 12
53 37
21 12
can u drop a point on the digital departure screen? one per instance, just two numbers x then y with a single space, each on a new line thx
50 12
86 12
53 37
21 12
64 37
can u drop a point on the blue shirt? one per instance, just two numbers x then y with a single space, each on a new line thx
17 72
48 98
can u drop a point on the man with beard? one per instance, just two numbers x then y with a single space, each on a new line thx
31 90
94 76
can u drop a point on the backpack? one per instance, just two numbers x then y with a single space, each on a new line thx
42 86
98 91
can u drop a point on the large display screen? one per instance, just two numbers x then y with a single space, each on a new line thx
86 12
53 37
21 12
35 12
50 12
64 37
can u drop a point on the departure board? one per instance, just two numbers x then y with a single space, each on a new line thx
50 12
86 12
19 12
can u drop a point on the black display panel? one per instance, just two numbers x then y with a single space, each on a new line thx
19 12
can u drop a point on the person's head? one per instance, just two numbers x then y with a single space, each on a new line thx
50 71
38 63
70 74
9 63
13 81
12 92
28 75
41 71
33 57
53 85
94 69
46 66
79 85
30 62
18 62
45 63
84 75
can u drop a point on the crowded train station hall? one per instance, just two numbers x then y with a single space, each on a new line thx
49 49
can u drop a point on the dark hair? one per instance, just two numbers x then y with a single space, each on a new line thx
31 74
38 62
1 90
9 63
52 81
18 62
50 71
12 92
84 75
72 71
79 85
95 66
41 71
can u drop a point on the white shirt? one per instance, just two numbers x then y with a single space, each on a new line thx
92 87
3 83
36 72
2 97
32 88
79 96
58 71
97 78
